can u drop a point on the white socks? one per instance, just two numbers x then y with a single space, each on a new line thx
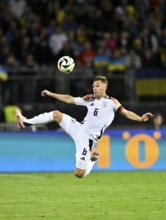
89 167
41 119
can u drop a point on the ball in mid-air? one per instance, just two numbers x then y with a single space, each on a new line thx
66 64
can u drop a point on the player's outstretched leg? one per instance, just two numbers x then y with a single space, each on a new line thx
20 118
40 119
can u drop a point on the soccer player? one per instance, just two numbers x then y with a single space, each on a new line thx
101 112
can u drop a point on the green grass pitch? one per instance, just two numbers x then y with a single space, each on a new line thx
99 196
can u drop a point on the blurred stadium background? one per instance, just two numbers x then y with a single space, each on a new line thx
124 40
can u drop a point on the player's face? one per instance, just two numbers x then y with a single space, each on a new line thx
99 89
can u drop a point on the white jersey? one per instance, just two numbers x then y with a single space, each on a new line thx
100 114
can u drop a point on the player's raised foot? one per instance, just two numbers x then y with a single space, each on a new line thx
95 155
20 118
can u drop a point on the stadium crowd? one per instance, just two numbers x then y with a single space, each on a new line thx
110 33
109 36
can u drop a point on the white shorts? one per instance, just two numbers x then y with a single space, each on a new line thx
83 142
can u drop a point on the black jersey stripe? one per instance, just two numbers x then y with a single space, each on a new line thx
101 132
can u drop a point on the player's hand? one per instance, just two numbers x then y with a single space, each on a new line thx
147 116
45 93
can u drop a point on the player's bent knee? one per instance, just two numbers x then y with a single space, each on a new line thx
57 115
79 173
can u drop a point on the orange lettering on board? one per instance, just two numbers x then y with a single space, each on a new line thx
151 151
104 148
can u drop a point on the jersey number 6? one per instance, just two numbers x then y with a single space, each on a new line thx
95 111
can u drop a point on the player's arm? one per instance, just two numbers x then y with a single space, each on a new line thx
88 97
133 116
64 98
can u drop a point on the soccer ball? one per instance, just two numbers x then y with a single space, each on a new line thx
66 64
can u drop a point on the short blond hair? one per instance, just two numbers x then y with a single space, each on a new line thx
103 79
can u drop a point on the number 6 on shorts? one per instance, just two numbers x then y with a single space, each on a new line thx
84 152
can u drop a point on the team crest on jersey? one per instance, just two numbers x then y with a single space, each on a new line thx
104 104
91 104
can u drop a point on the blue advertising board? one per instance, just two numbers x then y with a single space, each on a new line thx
55 151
